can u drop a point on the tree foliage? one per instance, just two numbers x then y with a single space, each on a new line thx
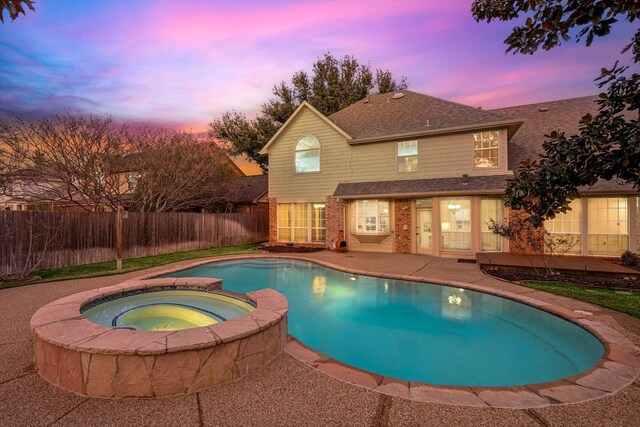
549 23
608 143
15 7
176 172
333 85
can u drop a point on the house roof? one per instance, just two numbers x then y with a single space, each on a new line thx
543 118
248 189
424 187
409 113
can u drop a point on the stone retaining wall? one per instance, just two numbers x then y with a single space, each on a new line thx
73 353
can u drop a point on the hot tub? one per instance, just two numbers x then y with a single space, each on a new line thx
157 337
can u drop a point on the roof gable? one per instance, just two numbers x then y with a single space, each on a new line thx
296 113
407 112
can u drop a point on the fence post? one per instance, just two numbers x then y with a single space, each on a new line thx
119 238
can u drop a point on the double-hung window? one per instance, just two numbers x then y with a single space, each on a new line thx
485 149
407 156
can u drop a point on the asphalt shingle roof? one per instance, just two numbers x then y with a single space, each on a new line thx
488 183
543 118
246 189
382 115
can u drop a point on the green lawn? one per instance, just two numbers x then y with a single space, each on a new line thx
627 302
109 267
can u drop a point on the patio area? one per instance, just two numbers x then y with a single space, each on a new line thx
287 391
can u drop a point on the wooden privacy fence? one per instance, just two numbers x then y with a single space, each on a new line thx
74 238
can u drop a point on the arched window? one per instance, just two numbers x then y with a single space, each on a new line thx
308 154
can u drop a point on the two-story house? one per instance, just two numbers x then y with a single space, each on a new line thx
409 173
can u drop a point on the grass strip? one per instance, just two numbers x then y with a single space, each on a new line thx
109 267
627 302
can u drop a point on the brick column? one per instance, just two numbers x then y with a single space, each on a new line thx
402 226
536 233
334 219
273 220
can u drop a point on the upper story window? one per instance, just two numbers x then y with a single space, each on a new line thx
407 156
308 154
485 149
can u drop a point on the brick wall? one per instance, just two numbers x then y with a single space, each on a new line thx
402 226
261 207
273 220
537 233
335 219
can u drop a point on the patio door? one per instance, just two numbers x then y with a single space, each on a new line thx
425 230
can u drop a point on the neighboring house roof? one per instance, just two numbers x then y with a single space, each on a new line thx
409 113
416 187
541 119
302 107
248 189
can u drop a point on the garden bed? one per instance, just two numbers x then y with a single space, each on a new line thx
585 280
291 249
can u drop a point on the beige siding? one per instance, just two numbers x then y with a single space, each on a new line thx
289 186
438 156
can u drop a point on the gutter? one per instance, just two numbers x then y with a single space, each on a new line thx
429 194
455 129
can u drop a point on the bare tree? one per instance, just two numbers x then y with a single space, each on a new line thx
173 171
27 255
64 159
534 242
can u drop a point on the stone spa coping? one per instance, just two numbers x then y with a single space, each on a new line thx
76 354
617 369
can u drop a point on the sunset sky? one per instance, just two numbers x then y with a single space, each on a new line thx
181 63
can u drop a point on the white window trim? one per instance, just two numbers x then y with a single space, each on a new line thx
377 231
296 151
481 150
292 228
499 219
399 156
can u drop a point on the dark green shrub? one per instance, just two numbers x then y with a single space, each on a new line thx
630 259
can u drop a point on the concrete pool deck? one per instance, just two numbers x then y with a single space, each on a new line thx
287 391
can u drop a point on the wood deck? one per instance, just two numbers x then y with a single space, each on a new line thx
568 263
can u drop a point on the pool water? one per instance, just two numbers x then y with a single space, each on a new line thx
167 310
415 331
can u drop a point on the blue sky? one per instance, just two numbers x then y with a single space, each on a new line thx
181 63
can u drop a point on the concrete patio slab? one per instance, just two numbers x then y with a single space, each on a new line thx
288 391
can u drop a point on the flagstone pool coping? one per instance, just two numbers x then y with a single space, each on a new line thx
88 359
617 369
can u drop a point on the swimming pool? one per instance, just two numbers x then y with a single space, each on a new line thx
415 331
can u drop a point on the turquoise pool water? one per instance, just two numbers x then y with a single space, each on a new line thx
415 331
